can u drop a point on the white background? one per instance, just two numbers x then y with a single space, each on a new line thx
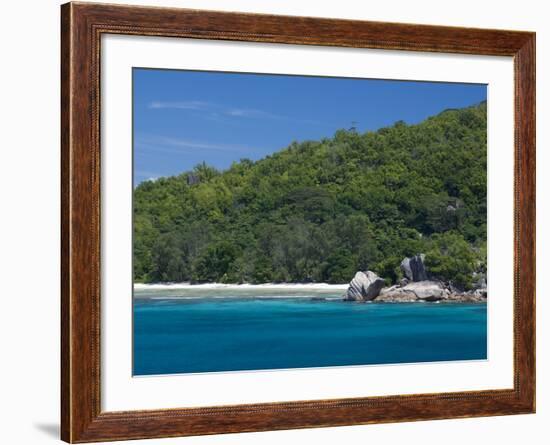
29 243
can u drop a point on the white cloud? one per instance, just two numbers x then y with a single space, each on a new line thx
184 105
251 113
214 111
147 174
220 113
180 145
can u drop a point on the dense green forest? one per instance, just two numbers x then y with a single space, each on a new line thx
318 211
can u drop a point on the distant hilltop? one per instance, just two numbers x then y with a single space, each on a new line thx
319 211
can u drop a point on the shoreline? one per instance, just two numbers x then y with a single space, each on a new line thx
244 286
279 291
302 298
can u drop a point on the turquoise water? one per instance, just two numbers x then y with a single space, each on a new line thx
175 335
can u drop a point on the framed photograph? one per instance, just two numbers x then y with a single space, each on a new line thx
274 222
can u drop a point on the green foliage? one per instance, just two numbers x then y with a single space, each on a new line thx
452 258
321 210
216 263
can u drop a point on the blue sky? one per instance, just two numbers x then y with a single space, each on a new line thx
182 118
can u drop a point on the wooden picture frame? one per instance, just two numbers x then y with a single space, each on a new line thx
82 25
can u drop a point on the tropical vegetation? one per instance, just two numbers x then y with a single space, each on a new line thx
318 211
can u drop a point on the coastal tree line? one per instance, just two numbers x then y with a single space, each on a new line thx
318 211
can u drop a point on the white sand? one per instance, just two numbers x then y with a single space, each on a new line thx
265 286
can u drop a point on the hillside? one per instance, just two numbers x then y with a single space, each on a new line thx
321 210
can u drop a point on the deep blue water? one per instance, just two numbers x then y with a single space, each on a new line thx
205 335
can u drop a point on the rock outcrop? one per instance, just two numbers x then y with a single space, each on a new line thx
413 268
468 297
414 286
406 269
481 281
365 286
420 290
396 294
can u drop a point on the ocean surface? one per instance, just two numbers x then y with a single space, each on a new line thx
190 329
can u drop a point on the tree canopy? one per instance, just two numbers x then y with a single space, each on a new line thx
318 211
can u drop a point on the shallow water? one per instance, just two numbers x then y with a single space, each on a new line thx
190 330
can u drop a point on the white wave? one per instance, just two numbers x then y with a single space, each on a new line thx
237 297
266 286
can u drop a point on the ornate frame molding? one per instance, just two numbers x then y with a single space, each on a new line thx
82 25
